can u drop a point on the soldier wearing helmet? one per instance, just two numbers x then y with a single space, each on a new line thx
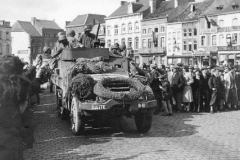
87 39
71 39
62 43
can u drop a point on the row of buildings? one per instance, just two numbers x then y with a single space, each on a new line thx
198 32
201 32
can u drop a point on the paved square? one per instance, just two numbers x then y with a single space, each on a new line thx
184 136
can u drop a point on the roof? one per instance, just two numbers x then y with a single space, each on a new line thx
227 7
47 24
81 20
138 7
166 8
24 26
188 15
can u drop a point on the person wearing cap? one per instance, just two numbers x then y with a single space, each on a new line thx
86 38
206 90
216 86
177 84
71 39
62 43
115 51
154 84
166 95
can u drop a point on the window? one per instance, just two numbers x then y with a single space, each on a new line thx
149 43
234 38
45 35
195 45
39 41
129 42
144 43
221 23
109 30
123 41
169 35
33 40
162 42
0 48
136 27
129 27
228 39
221 39
190 32
185 32
174 35
203 41
115 30
195 31
184 45
169 47
109 43
214 40
156 29
50 35
39 50
162 29
136 43
189 46
55 35
50 44
144 31
208 25
0 34
149 30
235 22
33 50
155 41
123 28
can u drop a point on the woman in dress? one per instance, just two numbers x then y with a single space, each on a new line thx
187 91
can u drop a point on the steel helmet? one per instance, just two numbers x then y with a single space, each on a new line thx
115 46
71 33
60 33
88 28
62 37
45 49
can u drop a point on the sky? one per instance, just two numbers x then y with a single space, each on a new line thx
58 10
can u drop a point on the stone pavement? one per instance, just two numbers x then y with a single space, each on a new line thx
184 136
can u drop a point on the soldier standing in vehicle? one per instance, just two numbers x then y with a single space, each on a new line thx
87 39
73 43
63 43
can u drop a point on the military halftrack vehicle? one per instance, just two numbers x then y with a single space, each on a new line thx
115 93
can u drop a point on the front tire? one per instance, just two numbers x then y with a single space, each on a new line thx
143 121
77 120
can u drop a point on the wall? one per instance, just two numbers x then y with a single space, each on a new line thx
113 38
174 36
50 37
20 42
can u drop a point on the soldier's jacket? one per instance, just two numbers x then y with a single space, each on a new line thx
87 41
57 50
73 43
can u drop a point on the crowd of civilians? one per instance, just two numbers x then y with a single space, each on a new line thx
181 88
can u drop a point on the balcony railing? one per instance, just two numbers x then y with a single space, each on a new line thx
153 50
229 29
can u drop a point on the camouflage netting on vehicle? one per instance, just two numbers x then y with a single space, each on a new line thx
87 66
82 86
136 89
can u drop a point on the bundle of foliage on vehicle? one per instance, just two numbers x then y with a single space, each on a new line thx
13 95
82 86
46 75
88 66
102 90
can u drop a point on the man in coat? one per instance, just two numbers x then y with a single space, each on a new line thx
206 90
87 39
177 85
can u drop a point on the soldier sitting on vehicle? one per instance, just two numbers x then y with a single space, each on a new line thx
87 39
73 43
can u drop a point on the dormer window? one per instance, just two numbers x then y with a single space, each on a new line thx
130 8
235 5
220 7
193 8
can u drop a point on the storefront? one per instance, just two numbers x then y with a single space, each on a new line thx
229 54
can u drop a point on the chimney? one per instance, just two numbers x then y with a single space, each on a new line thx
33 21
136 1
67 22
153 5
175 3
123 2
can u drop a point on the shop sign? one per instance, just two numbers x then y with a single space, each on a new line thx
207 31
229 48
229 29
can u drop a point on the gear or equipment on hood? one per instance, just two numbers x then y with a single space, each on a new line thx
88 28
71 33
62 37
45 49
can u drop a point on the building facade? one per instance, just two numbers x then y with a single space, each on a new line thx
5 38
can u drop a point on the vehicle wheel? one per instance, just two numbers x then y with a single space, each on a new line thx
78 121
143 121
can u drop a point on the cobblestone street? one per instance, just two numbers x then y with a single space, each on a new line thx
184 136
